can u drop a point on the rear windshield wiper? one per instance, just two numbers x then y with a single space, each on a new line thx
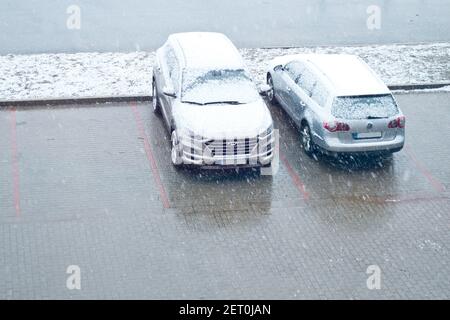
374 117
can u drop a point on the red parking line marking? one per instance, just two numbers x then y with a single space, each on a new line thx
150 157
15 162
418 196
295 177
427 174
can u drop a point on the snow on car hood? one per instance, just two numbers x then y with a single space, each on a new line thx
219 121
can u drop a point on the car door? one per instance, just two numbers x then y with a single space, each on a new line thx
170 76
294 96
305 85
287 86
320 99
158 70
162 76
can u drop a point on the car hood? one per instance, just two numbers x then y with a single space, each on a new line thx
218 121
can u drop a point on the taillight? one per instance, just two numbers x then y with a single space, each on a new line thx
397 123
336 126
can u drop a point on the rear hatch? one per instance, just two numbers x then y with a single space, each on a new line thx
368 117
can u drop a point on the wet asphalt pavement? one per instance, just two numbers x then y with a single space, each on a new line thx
93 186
40 26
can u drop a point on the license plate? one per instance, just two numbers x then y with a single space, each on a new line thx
367 135
231 162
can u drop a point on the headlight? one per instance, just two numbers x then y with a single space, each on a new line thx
270 130
189 136
267 132
184 135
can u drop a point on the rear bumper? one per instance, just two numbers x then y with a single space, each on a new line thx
333 145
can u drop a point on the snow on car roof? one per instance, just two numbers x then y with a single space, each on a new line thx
208 50
347 74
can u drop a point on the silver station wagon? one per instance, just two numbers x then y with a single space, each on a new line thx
339 104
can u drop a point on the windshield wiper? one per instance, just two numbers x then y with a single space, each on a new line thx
193 102
213 102
223 102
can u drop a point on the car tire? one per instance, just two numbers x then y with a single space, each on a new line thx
267 165
271 93
387 156
306 139
155 101
175 152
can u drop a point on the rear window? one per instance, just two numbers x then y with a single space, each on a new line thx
364 107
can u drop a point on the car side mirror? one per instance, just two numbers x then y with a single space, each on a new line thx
169 91
278 68
264 88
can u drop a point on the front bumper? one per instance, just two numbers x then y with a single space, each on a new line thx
199 152
235 161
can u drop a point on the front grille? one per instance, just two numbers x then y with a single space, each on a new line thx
235 147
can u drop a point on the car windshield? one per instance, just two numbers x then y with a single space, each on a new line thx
217 86
364 107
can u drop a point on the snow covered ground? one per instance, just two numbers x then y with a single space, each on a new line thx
396 64
54 76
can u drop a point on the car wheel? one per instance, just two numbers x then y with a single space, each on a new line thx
267 165
176 150
387 156
271 92
307 143
155 100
